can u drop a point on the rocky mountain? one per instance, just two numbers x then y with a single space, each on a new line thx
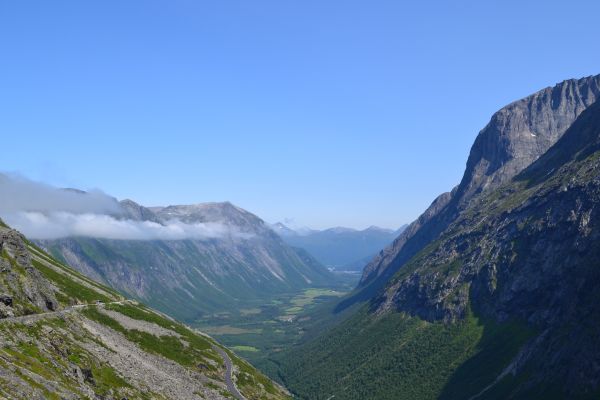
340 248
64 336
515 137
492 293
242 260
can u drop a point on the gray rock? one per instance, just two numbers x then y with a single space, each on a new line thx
23 282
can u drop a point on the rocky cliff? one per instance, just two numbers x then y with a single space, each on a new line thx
515 137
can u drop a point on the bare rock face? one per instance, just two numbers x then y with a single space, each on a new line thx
516 136
12 242
224 212
21 285
132 210
521 132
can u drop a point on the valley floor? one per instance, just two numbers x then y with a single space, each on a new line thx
267 327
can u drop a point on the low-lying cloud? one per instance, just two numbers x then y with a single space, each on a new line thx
43 212
55 225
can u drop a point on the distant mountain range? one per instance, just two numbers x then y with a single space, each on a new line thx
343 249
493 292
240 259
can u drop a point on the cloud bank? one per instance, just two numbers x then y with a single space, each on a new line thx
20 194
55 225
43 212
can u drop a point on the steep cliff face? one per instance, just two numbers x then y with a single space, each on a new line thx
516 136
23 289
521 132
133 211
64 336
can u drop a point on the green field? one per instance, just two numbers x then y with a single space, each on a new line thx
262 329
244 349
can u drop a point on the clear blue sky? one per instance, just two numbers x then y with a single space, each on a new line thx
328 112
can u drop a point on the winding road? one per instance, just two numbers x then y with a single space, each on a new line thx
39 316
229 370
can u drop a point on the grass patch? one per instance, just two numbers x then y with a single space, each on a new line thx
244 348
250 311
107 379
229 330
69 287
75 275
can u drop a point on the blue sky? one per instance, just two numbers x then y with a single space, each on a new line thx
325 112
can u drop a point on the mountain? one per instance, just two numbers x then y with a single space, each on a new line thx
65 336
515 137
241 260
493 292
340 248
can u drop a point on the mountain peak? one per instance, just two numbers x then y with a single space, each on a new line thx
522 131
374 228
221 212
340 229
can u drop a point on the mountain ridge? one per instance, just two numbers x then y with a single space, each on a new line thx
501 150
339 248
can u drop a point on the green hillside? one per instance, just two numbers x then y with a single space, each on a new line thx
65 336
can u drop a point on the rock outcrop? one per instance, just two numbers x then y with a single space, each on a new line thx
23 289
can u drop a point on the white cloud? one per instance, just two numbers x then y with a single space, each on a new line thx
54 225
40 211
